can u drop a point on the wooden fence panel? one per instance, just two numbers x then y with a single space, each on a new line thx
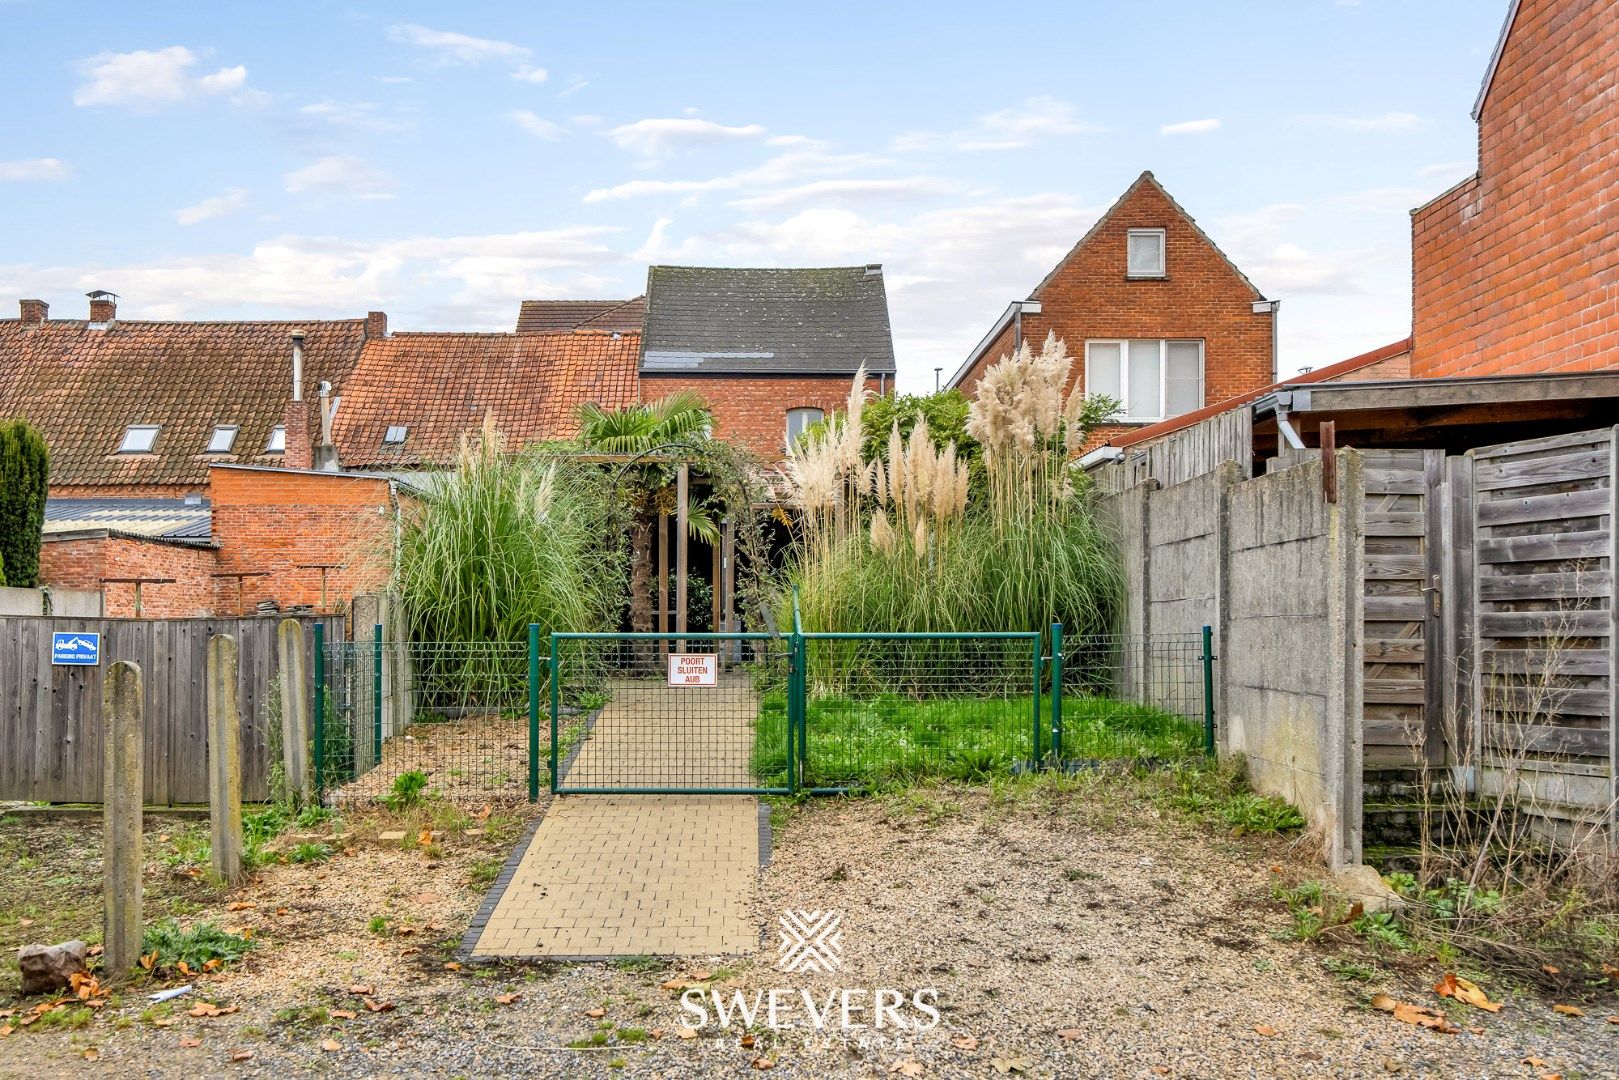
1543 624
50 717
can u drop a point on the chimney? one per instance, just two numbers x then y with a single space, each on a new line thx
325 456
376 324
297 454
103 306
297 365
35 312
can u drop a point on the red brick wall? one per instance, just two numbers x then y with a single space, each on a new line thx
86 563
266 520
1517 269
752 410
1089 296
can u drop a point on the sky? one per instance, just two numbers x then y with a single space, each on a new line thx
443 162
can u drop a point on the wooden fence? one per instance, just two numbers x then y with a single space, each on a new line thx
50 716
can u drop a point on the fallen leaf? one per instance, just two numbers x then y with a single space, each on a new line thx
241 1055
745 1042
1612 1019
182 969
673 984
1070 1034
91 1053
95 950
1383 1003
240 905
964 1042
379 1006
167 1021
331 1046
1265 1030
188 1041
344 1014
686 1033
426 898
763 1063
452 965
424 838
702 975
907 1067
655 1033
1414 1014
283 911
1569 1010
360 989
1533 1062
1454 986
412 950
595 1014
6 1029
1551 969
148 960
1611 972
1161 1070
404 931
507 999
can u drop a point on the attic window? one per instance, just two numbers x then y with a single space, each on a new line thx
139 439
1146 253
223 438
395 435
277 442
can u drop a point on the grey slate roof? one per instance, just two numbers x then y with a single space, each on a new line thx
166 519
722 321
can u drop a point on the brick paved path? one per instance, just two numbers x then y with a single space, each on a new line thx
655 875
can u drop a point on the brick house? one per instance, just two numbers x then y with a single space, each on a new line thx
1516 268
771 351
1153 312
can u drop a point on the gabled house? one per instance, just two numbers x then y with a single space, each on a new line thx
548 316
771 350
1154 313
1516 268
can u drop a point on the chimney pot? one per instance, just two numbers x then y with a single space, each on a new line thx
376 324
103 306
35 312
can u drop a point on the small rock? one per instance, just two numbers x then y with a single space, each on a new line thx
1364 885
393 836
49 967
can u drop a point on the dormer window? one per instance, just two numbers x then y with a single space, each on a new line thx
223 438
139 439
395 435
277 442
1145 253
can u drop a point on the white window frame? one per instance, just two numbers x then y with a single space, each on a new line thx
230 443
1163 254
132 431
404 433
1123 345
788 428
276 442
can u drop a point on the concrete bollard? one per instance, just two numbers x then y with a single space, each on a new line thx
295 730
224 758
122 758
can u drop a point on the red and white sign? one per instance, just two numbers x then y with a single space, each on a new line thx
694 669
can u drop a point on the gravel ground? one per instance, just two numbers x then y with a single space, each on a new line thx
479 757
1077 934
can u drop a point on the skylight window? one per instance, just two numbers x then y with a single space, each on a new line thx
395 435
223 438
139 439
277 442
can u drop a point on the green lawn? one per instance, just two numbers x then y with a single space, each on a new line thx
891 737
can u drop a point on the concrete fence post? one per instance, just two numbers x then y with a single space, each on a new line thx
122 757
295 731
224 758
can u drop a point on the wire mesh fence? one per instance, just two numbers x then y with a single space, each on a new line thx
456 712
666 713
884 708
1136 697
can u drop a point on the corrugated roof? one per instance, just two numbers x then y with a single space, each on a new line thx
718 320
439 386
169 519
82 387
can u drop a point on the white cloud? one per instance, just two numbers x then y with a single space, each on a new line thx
1191 127
360 115
1389 122
1261 244
575 85
150 79
656 137
230 201
808 160
449 49
535 124
1037 119
45 168
340 175
1392 199
909 187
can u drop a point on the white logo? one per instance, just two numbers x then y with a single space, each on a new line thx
811 941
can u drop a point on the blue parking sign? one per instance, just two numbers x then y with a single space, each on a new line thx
76 647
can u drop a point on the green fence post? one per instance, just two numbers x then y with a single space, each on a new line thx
320 712
1038 741
556 702
1208 690
796 710
533 712
1056 692
376 697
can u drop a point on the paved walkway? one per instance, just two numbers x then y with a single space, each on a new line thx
634 875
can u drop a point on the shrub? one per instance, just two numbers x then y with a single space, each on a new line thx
167 945
24 480
407 790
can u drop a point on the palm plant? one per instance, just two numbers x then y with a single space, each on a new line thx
648 486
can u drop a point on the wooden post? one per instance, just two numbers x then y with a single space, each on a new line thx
660 609
122 749
224 758
1328 434
682 554
728 574
295 734
718 598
